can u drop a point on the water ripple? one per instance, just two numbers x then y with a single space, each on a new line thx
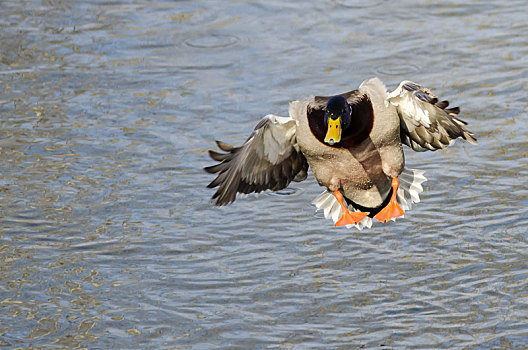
400 70
212 41
356 4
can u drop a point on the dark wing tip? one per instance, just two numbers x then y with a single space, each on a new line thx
223 198
454 111
217 155
442 104
469 137
213 169
225 146
208 169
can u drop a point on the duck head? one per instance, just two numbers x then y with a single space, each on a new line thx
338 115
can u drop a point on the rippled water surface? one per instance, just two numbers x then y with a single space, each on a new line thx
108 238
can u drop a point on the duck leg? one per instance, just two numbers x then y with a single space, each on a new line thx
348 217
392 209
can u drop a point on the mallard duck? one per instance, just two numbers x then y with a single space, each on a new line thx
353 144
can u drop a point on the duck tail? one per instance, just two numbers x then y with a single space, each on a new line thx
408 193
332 210
410 187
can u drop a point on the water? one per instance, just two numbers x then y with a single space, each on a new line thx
108 238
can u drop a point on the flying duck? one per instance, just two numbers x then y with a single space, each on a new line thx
353 144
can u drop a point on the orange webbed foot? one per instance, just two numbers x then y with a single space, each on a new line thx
392 209
348 217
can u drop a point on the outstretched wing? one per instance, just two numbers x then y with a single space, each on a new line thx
425 122
269 159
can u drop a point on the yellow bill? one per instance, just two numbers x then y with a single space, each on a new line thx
333 133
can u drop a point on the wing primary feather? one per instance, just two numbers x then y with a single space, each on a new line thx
224 146
217 155
213 169
454 111
442 104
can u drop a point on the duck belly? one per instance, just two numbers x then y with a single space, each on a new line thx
362 181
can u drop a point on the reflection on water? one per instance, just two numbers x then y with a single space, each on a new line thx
108 238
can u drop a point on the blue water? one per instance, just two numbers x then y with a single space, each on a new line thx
108 238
